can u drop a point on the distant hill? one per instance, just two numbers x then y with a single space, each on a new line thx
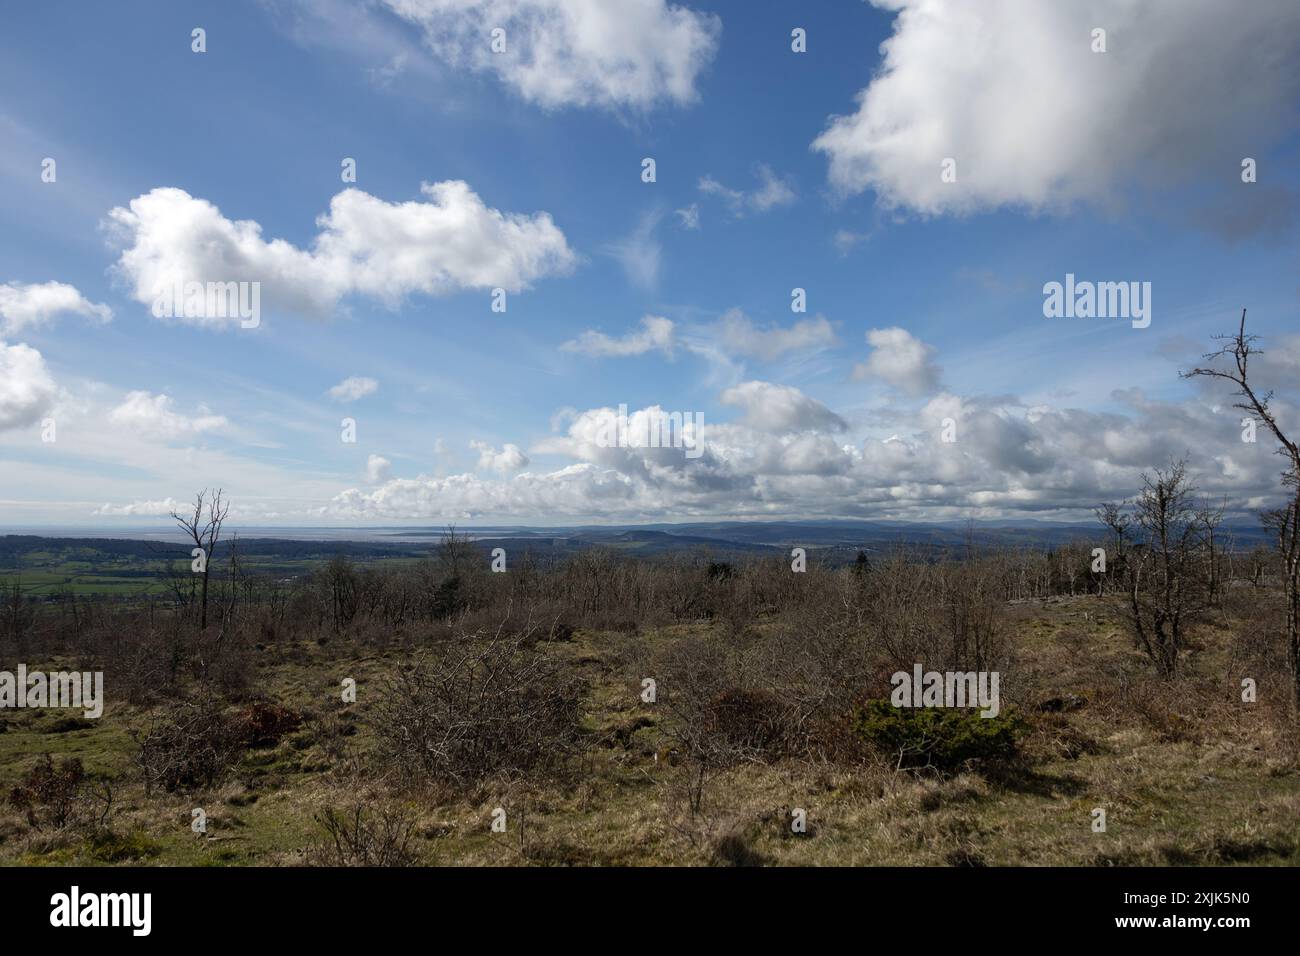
289 548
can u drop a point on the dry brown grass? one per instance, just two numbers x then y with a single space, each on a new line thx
1186 771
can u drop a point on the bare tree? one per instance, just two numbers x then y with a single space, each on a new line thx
1165 589
1211 516
204 529
1120 523
1285 522
341 582
181 584
1258 561
455 551
17 609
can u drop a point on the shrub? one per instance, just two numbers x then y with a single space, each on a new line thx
360 837
941 738
146 661
734 848
477 707
749 720
761 694
225 660
448 598
265 723
721 571
191 746
49 792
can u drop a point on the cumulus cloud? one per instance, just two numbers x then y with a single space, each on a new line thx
578 489
26 389
770 193
788 455
1184 87
353 387
141 509
740 336
607 479
781 408
378 468
636 53
648 442
32 304
509 458
1280 361
366 246
152 416
901 360
657 333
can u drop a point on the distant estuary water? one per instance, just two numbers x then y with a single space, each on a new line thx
153 533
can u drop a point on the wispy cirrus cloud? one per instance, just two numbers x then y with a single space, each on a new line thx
771 192
640 253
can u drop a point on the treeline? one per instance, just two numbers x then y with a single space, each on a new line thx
601 589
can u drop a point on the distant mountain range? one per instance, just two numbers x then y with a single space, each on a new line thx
837 540
741 537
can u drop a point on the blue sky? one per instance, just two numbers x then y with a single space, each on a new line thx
1115 166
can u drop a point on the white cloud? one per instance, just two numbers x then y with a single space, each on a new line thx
781 408
26 389
1187 87
656 333
635 53
353 387
771 193
711 187
901 360
591 438
382 76
791 456
151 416
509 458
141 509
739 335
689 215
366 246
1280 361
151 450
640 253
577 489
846 239
34 303
378 469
